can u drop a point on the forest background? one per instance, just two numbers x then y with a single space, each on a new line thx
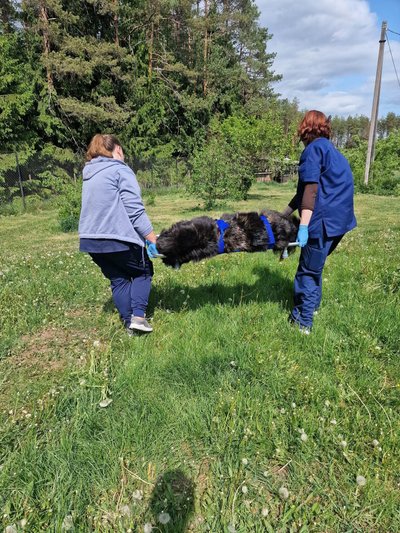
186 86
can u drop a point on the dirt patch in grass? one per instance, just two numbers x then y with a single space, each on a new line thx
40 360
49 350
279 472
202 480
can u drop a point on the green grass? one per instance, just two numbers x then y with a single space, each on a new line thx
208 412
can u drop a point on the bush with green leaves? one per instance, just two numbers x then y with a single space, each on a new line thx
70 207
162 173
384 178
219 173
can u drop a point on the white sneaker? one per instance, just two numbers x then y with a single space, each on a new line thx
139 323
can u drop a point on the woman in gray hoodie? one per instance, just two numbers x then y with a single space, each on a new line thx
116 231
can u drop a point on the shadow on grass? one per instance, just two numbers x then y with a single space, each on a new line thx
172 501
270 286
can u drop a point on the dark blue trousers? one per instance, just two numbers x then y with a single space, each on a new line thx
308 279
130 274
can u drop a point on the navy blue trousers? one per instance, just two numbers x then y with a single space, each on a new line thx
130 274
308 279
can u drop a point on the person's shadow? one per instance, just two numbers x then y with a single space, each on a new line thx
172 502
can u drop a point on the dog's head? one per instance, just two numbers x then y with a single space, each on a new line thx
285 230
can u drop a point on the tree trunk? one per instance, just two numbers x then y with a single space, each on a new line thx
205 47
151 43
44 22
116 23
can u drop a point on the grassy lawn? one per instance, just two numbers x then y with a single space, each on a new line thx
225 419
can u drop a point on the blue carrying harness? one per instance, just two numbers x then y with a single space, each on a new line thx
222 226
271 238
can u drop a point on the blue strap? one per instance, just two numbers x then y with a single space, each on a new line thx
271 238
222 226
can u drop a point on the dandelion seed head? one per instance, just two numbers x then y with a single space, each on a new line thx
343 443
137 495
375 443
233 363
304 437
105 403
265 511
67 523
96 344
11 529
245 461
231 528
293 405
361 481
125 510
245 490
164 518
283 493
333 422
147 528
327 403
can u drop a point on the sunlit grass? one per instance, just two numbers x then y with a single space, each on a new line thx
225 418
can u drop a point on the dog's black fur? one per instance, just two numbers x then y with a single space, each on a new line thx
196 239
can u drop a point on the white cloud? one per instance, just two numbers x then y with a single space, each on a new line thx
327 53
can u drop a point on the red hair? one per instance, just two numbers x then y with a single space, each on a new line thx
102 144
314 125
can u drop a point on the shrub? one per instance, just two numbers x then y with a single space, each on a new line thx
162 173
70 207
218 172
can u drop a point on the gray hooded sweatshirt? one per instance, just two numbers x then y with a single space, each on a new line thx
112 206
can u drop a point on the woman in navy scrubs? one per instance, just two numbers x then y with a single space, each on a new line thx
324 199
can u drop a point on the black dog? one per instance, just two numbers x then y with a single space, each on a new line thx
204 237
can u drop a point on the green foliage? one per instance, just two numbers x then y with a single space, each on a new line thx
219 172
262 141
163 173
385 171
70 207
17 96
185 73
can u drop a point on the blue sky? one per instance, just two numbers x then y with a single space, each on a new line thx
327 52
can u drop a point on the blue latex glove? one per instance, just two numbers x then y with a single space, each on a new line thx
152 251
302 235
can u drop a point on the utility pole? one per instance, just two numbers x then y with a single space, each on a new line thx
375 104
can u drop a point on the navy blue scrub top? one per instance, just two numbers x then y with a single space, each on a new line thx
333 212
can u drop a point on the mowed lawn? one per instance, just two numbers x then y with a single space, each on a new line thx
225 419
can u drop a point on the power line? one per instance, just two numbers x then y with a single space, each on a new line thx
391 31
391 55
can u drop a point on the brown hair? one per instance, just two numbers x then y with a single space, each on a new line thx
102 145
314 125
